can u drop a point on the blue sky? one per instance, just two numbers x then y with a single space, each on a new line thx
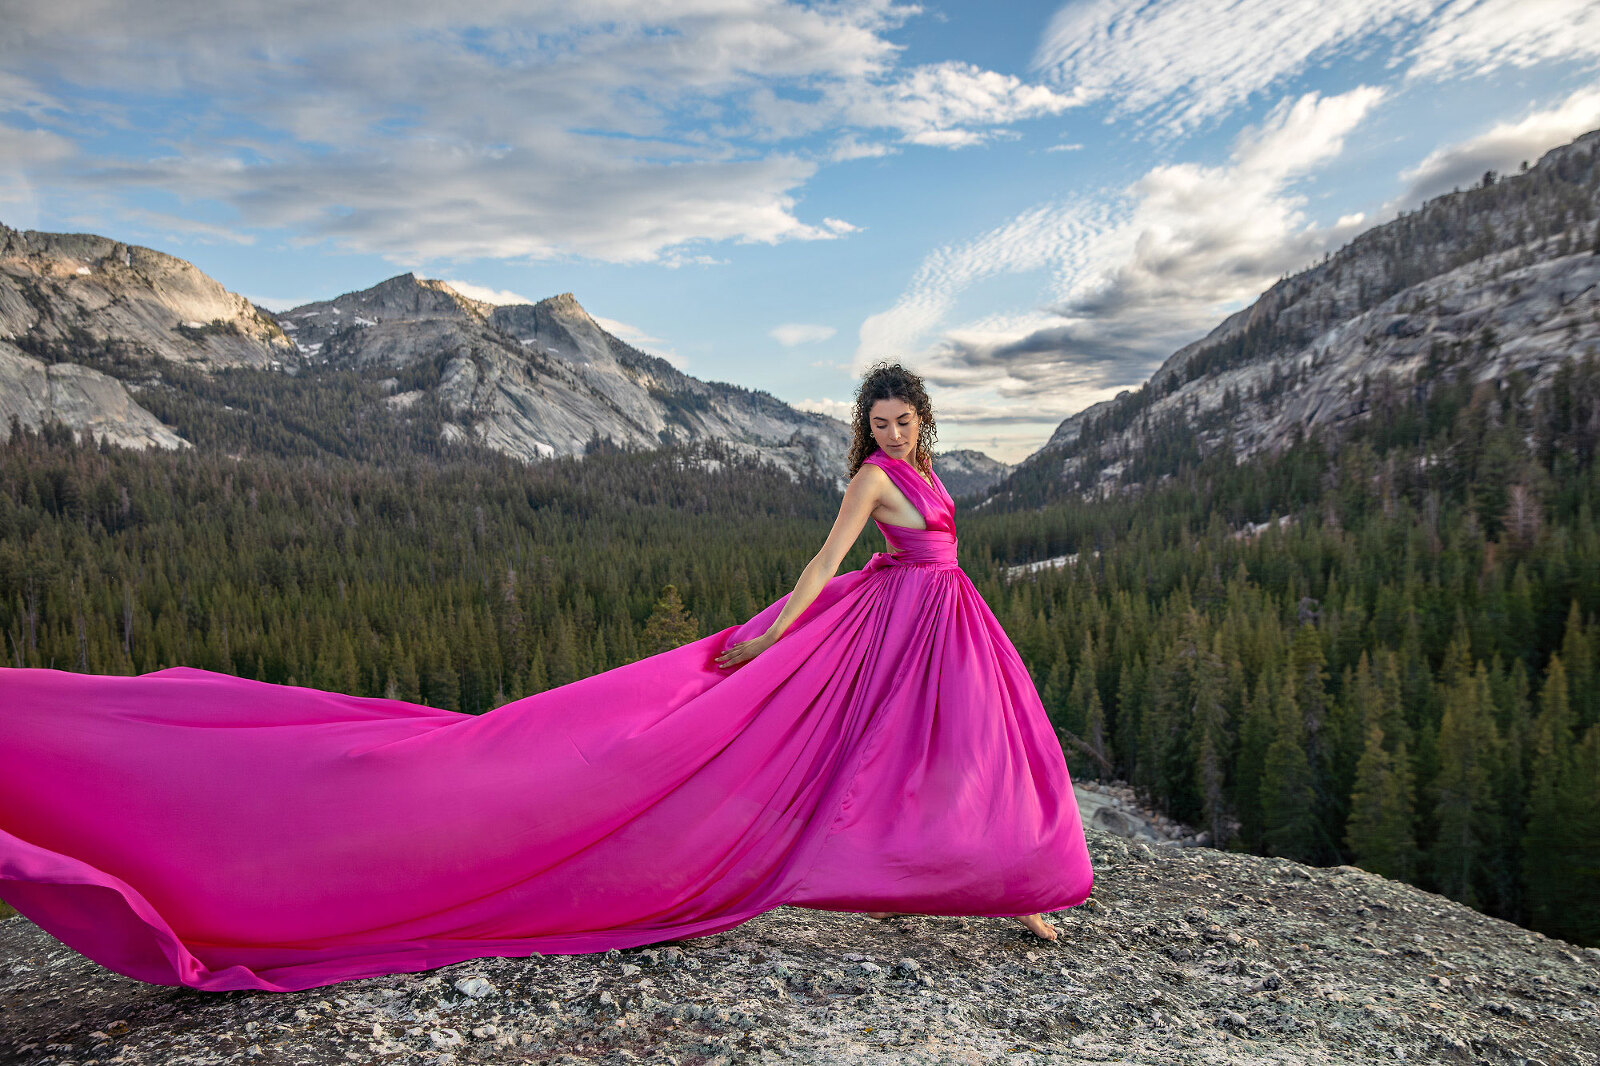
1032 204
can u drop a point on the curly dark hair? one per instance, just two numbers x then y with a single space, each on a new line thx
891 381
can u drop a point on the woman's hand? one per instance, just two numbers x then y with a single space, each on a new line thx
745 650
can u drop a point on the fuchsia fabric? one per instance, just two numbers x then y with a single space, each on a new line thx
889 752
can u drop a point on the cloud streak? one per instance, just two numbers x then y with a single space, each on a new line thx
1169 68
792 333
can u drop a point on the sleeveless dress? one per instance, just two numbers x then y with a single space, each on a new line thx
888 752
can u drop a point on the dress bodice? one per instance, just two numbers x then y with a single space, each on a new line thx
934 546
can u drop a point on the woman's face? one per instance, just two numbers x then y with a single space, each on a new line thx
895 426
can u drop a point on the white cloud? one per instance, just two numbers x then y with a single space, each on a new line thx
614 130
623 331
642 340
852 147
792 333
1176 65
484 294
21 153
1064 147
1502 148
1133 274
951 105
843 410
1474 39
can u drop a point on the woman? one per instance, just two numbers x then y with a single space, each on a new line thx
893 419
887 751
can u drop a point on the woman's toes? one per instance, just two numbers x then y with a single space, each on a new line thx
1036 925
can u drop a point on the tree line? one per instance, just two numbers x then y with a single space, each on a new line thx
1382 650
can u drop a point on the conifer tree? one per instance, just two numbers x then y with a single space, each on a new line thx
1463 790
1309 676
1257 728
1581 921
669 626
443 685
1056 693
1212 743
537 680
1578 655
1379 832
1097 736
1549 844
1288 822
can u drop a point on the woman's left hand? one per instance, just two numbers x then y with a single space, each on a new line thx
744 650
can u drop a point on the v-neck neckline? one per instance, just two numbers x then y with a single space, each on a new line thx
928 481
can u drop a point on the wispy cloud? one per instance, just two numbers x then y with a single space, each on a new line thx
614 130
1473 39
792 333
1171 67
1132 274
22 154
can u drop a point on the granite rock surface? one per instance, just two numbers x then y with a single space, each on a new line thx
1184 956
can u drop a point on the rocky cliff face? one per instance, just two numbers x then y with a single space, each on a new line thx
62 293
1487 282
531 380
69 297
544 379
1184 955
965 472
93 404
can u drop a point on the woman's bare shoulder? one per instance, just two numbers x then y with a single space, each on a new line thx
871 475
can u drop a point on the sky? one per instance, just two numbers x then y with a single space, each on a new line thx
1030 204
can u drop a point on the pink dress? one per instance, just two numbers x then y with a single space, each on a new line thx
889 752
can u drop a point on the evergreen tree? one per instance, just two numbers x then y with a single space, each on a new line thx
1288 821
1257 729
1551 843
1212 745
1309 676
1578 647
1379 832
1463 790
1098 737
1581 922
669 626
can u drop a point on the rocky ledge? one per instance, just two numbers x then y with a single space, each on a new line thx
1184 955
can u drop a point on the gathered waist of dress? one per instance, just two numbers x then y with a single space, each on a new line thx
934 548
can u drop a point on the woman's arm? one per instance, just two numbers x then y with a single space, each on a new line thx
861 498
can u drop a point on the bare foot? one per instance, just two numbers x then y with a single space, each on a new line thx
880 915
1038 926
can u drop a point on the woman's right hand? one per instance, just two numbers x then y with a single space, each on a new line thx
745 650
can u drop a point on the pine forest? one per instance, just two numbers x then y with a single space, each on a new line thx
1381 649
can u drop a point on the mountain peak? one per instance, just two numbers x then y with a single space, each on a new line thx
402 296
562 304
